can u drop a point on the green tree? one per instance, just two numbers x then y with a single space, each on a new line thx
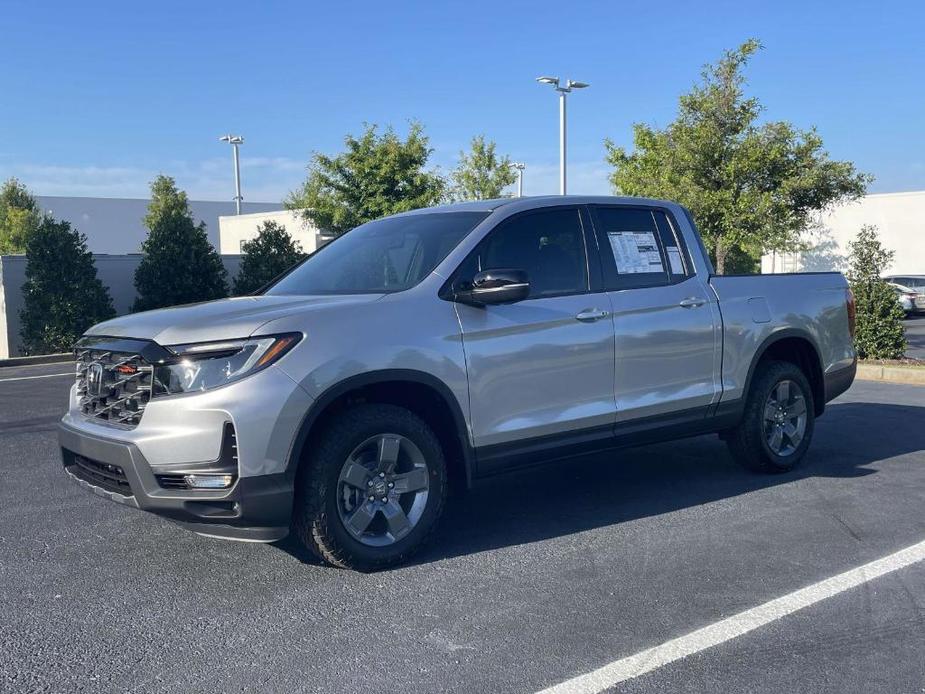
271 253
879 333
482 174
750 186
179 266
377 175
62 294
19 217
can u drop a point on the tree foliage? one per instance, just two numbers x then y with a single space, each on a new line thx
376 175
271 253
750 186
879 333
482 174
179 266
62 294
19 217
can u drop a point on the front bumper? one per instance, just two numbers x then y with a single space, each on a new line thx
254 508
187 434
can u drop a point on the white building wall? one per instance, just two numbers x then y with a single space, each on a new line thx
234 230
900 222
116 225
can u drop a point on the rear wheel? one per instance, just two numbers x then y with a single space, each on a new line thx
372 490
778 423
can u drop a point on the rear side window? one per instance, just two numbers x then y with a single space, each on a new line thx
639 248
678 262
548 244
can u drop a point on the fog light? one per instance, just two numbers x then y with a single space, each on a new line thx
209 481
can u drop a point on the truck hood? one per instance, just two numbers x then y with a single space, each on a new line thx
225 319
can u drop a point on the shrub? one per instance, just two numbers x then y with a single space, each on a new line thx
268 255
19 217
62 294
179 266
880 332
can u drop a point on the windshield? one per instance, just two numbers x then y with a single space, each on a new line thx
387 255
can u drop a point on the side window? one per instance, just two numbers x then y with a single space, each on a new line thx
679 266
549 245
639 248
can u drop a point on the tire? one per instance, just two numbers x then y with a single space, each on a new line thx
347 527
753 443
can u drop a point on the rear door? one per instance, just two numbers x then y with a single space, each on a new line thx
666 323
542 367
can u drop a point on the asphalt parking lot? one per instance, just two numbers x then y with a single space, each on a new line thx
535 579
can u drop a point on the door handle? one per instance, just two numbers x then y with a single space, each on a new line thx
692 302
589 315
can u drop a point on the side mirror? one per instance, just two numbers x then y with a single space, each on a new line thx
496 287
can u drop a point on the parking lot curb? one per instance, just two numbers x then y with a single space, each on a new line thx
40 359
906 375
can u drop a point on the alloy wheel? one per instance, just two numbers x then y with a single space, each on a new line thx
785 418
382 489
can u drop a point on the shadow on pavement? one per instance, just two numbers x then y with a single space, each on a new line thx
604 489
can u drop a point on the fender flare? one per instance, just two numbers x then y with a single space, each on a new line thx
351 383
784 334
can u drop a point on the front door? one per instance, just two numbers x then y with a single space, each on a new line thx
542 367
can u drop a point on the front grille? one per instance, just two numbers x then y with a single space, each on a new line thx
113 387
110 477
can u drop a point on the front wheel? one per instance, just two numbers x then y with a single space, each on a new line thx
778 422
372 490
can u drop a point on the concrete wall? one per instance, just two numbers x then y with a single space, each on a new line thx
116 272
116 225
235 229
900 222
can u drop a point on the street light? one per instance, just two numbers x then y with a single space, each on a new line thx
569 86
234 141
520 166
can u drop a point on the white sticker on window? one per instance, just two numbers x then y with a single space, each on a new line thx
635 251
674 260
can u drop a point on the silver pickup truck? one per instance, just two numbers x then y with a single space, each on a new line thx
439 347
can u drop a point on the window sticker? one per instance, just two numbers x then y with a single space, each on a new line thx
674 260
635 252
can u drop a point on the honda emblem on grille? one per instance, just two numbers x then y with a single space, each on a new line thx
95 379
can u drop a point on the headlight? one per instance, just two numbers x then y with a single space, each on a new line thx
207 365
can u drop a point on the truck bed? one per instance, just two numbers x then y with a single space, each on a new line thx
756 307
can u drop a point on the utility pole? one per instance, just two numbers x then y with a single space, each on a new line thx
520 166
234 141
563 91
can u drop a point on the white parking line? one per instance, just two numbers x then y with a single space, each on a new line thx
652 658
26 378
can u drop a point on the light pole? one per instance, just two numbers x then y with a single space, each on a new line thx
520 166
234 141
569 86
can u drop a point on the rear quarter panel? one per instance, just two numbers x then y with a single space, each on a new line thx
755 307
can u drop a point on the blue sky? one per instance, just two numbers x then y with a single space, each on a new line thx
99 97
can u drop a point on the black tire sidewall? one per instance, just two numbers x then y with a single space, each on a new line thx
358 425
782 371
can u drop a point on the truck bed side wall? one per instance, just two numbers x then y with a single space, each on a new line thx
756 307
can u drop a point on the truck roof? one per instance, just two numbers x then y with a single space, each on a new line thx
532 201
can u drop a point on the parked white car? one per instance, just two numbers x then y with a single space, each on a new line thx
911 299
